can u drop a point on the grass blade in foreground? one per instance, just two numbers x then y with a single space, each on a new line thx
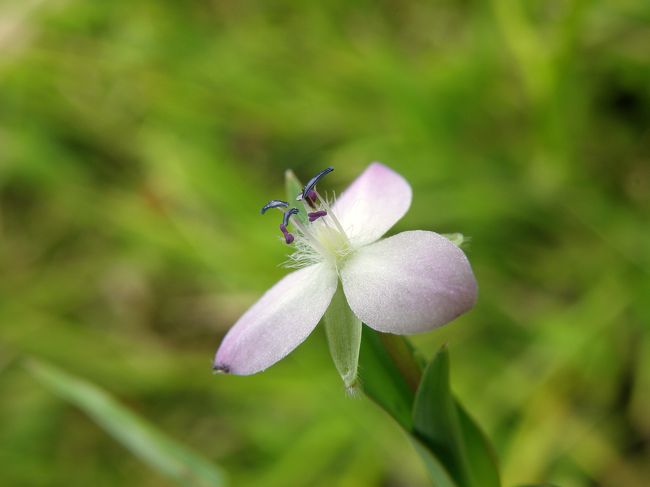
152 446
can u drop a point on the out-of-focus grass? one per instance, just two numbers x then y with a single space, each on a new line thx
139 139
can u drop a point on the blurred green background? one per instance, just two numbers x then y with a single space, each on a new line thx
138 141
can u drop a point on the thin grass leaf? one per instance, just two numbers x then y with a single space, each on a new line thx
143 439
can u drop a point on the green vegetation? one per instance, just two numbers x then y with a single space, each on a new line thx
138 141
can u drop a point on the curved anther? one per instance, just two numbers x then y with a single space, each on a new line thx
274 204
312 183
288 214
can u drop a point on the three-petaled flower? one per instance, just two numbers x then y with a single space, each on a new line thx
408 283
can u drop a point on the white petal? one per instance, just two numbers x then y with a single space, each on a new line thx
280 321
409 283
373 203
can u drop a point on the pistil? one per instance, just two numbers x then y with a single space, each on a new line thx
330 213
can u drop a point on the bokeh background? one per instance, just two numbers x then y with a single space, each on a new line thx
138 140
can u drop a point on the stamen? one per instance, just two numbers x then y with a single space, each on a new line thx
306 191
316 215
288 214
274 204
311 199
288 237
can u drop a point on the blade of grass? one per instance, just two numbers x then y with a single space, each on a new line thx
143 439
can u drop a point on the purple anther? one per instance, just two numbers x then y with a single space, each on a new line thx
313 216
288 238
309 187
273 204
311 199
285 221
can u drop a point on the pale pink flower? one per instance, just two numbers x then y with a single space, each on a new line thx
409 283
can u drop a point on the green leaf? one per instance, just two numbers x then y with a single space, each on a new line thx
436 421
152 446
383 381
439 475
482 458
343 330
449 432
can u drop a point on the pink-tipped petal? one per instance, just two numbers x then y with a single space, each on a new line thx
409 283
373 203
280 321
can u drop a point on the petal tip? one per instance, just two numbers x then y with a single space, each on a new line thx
380 167
219 368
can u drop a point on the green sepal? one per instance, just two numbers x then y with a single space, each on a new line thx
458 239
343 330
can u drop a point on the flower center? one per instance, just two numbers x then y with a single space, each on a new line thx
319 237
335 244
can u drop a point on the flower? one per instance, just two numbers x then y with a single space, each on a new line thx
409 283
